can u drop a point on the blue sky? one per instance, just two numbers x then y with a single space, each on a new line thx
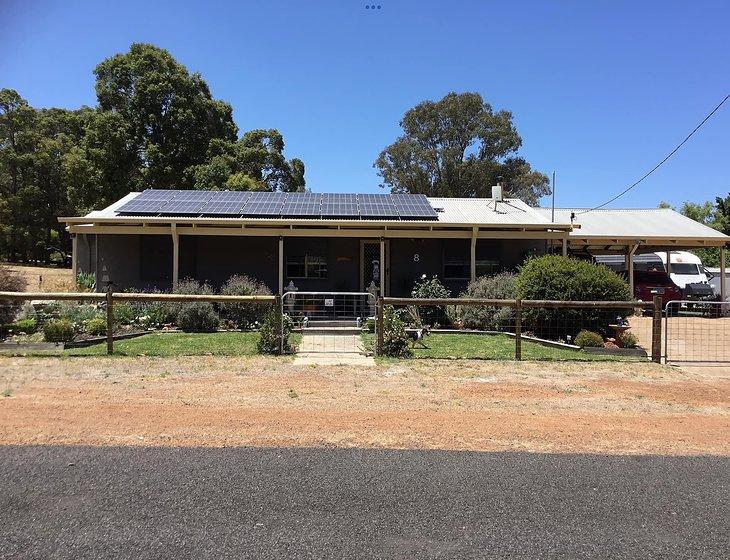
600 91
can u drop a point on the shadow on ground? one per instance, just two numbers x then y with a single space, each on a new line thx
114 502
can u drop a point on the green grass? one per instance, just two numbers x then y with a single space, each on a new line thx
491 347
176 344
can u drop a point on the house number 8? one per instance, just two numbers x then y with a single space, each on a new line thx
416 257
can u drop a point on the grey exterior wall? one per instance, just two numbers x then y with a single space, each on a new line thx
145 261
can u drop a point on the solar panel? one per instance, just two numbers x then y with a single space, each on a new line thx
377 206
270 204
264 204
335 205
183 207
413 206
192 195
226 203
302 204
156 194
143 206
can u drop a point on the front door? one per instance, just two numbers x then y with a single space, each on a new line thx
370 266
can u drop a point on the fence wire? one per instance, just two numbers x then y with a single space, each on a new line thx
697 332
490 331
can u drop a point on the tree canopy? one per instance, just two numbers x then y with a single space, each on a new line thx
713 214
156 125
459 146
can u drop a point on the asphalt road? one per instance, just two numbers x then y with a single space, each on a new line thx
81 502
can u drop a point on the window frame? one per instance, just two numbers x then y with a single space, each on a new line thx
308 261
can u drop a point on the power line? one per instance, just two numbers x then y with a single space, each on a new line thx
658 165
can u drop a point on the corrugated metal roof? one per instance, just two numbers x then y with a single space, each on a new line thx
639 223
486 211
454 211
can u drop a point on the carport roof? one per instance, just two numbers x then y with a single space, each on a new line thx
644 224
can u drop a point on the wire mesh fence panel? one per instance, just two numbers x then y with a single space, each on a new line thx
331 322
697 331
562 331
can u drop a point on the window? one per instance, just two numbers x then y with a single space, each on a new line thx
684 268
461 270
307 266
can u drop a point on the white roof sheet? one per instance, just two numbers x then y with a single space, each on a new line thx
638 223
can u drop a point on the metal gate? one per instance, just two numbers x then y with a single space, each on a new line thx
332 322
697 331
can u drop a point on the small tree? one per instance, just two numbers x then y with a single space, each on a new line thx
555 277
497 286
395 339
431 288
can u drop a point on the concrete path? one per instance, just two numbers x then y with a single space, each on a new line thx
319 348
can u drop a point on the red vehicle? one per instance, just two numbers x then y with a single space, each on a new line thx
647 281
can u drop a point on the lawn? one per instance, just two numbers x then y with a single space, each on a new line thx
177 344
491 347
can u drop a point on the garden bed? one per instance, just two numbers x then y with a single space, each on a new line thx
496 346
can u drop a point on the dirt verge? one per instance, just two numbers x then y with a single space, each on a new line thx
209 401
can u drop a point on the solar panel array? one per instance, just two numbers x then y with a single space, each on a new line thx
157 202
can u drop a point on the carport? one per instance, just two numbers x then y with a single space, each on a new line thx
629 232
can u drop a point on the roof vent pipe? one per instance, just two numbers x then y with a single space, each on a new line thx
497 193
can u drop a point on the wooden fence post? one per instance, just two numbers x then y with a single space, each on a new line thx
279 311
656 331
379 327
518 329
109 319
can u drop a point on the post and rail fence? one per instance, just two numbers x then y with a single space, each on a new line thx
520 305
110 297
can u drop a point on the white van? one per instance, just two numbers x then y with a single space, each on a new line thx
686 271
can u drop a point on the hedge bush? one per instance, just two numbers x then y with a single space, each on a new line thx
432 288
60 330
244 315
27 326
562 278
269 333
96 326
199 316
497 286
194 316
628 339
589 339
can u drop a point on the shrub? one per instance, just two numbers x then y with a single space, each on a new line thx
27 326
178 311
561 278
60 330
86 281
199 316
96 326
75 313
125 312
369 325
269 336
431 288
10 281
589 339
628 339
395 339
498 286
244 315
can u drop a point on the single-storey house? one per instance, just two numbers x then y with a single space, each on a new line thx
350 242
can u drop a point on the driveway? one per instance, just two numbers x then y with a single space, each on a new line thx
113 502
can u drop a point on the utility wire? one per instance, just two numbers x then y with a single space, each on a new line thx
658 165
